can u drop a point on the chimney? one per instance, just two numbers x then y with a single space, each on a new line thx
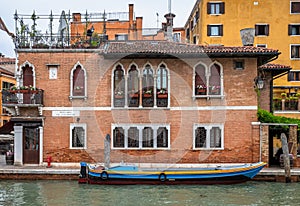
169 24
76 17
247 36
130 15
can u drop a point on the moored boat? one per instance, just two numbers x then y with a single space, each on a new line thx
131 174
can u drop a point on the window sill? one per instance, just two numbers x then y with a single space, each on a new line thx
208 97
77 97
140 108
132 148
79 148
208 149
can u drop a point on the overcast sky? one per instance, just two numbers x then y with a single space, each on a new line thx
142 8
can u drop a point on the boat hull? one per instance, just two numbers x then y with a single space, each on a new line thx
133 175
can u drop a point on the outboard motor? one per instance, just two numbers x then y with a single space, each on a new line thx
83 173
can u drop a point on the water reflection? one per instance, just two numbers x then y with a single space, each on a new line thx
70 193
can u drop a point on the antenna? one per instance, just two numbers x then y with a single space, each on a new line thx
170 2
157 21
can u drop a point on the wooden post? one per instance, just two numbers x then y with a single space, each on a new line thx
286 157
107 151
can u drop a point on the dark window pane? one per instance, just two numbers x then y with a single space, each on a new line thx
295 7
162 137
78 82
133 137
119 138
78 137
200 137
215 137
147 137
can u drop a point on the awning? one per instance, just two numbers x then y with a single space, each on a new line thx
7 128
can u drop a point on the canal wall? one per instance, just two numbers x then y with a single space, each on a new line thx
29 172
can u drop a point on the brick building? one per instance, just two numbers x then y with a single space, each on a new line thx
159 101
119 26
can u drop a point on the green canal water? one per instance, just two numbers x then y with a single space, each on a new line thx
71 193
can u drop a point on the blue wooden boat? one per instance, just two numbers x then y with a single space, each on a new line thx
127 175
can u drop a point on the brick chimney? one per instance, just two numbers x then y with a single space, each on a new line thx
131 15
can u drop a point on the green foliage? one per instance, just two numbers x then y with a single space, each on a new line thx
267 117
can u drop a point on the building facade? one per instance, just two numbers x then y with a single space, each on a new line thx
157 102
219 23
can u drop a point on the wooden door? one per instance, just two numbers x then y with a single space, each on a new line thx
31 149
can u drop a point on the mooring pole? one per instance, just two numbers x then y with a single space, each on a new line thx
107 151
286 157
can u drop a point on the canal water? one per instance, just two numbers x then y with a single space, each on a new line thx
71 193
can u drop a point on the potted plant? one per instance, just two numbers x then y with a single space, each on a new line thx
133 94
162 93
201 89
283 95
119 94
147 93
215 90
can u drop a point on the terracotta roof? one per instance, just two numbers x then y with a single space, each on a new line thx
275 69
181 49
5 71
165 47
7 60
275 66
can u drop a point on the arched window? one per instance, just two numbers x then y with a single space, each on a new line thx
162 86
162 78
78 81
133 86
148 83
215 80
119 87
200 80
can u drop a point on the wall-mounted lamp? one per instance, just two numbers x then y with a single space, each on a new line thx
259 82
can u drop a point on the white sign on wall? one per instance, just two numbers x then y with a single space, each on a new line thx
65 113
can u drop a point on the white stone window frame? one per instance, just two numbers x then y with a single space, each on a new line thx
207 75
71 82
266 25
262 45
208 127
84 126
295 1
218 27
177 36
215 3
297 58
294 24
140 128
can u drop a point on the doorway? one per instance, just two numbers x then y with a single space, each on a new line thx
31 146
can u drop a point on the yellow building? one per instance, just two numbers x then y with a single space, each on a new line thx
276 25
7 79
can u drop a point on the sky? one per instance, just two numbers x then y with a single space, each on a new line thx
148 9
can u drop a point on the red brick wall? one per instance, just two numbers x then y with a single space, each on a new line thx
241 141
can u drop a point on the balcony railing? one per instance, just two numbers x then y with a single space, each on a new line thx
287 104
31 97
